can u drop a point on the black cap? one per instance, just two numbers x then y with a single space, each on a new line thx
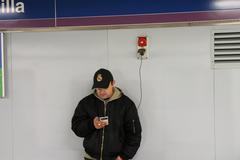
102 78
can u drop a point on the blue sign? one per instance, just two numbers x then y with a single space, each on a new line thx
116 12
82 8
27 13
51 13
26 9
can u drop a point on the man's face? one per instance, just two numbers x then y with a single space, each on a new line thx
105 93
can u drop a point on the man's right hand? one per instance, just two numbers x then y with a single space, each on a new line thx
98 124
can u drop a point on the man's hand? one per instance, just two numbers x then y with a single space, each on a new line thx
119 158
98 124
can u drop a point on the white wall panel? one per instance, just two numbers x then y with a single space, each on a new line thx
177 108
227 102
51 72
6 129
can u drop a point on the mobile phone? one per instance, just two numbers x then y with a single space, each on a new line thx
104 119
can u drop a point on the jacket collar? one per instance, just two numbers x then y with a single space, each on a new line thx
117 93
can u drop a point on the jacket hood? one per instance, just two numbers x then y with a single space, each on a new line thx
117 93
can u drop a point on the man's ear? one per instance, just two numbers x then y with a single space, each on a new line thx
113 83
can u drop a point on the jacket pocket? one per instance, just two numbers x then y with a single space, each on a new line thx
113 143
91 143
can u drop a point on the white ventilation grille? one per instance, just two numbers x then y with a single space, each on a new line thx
226 48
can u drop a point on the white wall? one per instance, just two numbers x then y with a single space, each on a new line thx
49 72
227 113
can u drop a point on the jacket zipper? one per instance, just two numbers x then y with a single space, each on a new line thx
134 129
105 108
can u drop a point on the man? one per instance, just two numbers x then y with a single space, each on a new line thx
108 121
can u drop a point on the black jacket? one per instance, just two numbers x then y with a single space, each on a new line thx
121 137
